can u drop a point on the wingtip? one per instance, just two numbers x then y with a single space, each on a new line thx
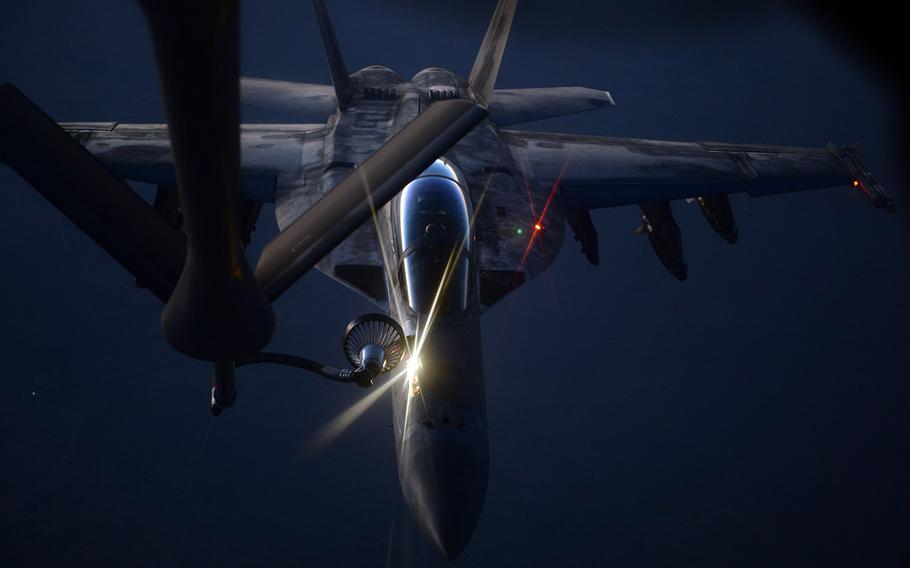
863 178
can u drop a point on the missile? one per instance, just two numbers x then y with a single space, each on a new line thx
717 211
657 222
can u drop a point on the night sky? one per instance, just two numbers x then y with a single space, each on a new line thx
757 414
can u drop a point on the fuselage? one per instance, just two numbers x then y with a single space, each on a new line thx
439 406
427 240
461 225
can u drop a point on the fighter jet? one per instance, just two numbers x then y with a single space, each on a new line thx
415 193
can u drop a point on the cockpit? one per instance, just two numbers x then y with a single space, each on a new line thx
435 240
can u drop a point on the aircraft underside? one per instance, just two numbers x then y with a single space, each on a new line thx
412 192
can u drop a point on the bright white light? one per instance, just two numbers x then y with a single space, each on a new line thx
340 423
413 367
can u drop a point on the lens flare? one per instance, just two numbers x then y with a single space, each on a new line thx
413 367
414 362
328 433
538 225
386 262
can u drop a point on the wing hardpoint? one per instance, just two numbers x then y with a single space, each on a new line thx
609 172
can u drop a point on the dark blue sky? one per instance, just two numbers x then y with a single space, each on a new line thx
755 415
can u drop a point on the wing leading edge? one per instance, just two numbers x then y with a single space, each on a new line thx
595 172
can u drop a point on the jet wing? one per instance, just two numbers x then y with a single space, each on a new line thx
595 172
142 152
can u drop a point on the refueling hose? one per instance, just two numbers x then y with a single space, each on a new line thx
363 376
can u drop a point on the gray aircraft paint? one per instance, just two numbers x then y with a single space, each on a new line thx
515 180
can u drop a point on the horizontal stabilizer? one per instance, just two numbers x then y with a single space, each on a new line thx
307 101
515 106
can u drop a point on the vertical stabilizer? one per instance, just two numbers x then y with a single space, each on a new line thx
486 66
340 78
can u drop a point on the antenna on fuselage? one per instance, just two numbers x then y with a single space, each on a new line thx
340 78
486 66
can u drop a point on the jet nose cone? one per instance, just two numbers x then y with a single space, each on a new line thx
451 534
445 487
449 524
